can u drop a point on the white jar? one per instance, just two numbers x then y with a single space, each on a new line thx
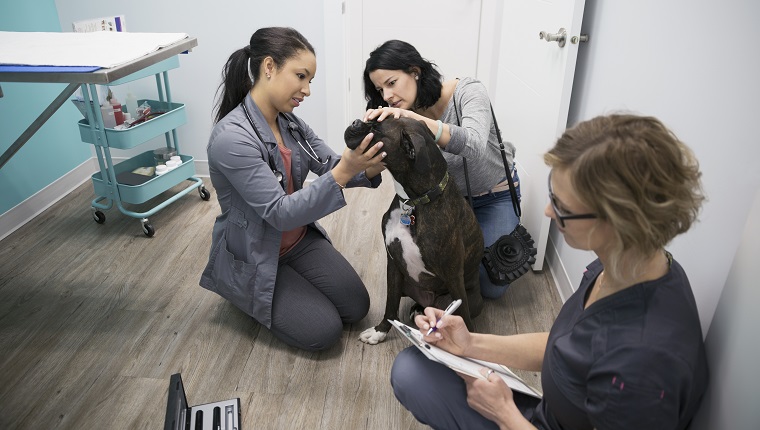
161 169
177 159
106 111
171 164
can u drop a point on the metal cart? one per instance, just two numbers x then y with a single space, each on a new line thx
108 189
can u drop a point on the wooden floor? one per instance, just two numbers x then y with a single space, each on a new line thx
95 318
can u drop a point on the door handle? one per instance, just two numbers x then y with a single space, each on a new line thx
578 39
558 37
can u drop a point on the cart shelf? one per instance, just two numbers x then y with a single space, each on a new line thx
173 117
153 186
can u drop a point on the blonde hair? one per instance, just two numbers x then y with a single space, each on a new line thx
634 173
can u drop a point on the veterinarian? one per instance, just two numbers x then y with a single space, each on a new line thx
269 256
626 350
399 82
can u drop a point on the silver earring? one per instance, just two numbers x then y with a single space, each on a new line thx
416 77
268 76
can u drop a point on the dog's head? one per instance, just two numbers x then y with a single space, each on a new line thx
412 153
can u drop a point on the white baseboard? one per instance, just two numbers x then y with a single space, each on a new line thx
25 211
559 274
201 168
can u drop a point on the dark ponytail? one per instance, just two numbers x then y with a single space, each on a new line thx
235 83
280 43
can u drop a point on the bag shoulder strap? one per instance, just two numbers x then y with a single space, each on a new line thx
507 170
512 189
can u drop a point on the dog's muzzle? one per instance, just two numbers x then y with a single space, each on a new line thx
356 132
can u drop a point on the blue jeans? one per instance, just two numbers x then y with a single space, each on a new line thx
496 217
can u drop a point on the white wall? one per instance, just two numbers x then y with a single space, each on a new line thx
694 65
732 349
221 28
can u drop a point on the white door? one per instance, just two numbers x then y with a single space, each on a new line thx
532 97
529 80
445 32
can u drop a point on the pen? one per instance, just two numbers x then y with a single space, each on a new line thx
217 424
199 420
449 310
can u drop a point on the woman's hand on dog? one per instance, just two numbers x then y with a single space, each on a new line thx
433 125
381 113
451 333
361 159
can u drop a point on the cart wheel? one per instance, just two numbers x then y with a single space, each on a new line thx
99 217
205 194
148 228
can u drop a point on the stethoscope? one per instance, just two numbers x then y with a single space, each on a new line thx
293 128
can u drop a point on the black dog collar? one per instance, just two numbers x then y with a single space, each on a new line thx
430 195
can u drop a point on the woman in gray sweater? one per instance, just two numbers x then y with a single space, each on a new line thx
399 82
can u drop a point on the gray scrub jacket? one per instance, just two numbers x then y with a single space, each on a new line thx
255 209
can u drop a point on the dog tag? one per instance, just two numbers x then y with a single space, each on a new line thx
407 220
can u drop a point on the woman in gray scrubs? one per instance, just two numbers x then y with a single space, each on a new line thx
626 350
269 256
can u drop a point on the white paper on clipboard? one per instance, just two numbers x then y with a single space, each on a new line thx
465 365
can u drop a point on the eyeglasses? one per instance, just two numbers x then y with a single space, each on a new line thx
561 217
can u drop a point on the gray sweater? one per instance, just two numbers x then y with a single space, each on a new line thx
473 136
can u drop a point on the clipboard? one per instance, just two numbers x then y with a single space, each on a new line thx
465 365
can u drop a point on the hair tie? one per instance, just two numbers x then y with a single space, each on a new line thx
250 75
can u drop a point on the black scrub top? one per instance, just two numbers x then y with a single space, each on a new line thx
632 360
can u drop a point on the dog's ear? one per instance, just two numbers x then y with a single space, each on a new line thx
414 145
408 145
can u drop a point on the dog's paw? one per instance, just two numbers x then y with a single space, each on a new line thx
415 310
372 336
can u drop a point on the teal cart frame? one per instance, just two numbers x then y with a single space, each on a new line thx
108 189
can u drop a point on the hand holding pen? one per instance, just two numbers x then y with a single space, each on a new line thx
449 310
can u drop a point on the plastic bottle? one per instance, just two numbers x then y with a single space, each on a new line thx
172 164
106 110
162 155
118 114
161 169
131 104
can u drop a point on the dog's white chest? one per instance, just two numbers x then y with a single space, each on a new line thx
394 230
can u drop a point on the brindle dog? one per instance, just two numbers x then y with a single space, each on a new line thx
432 237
